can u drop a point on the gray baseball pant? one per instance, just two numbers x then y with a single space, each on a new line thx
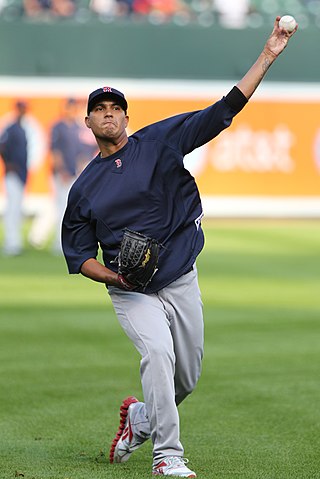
167 330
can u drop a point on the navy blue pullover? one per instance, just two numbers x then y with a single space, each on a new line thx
145 187
13 148
65 138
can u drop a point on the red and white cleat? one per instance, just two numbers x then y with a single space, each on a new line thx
124 443
173 466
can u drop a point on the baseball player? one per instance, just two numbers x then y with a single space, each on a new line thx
139 182
65 149
14 152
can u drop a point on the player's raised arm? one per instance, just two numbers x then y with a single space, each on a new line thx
275 45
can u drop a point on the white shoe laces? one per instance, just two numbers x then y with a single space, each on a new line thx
180 460
175 461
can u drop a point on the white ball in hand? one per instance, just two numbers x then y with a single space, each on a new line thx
288 23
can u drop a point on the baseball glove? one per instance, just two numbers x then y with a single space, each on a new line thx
137 260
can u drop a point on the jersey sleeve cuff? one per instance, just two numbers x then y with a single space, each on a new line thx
236 99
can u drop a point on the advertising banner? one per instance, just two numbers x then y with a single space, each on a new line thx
268 159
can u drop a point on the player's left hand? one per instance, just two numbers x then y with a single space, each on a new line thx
124 284
278 39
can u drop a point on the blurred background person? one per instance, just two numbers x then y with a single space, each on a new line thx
35 8
104 8
111 8
14 152
163 11
231 13
43 9
88 145
66 152
63 8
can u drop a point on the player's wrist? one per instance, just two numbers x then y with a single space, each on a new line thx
267 52
123 283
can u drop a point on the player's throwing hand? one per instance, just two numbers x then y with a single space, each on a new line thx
279 38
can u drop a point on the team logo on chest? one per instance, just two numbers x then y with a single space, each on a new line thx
118 163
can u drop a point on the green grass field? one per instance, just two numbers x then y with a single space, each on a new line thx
66 365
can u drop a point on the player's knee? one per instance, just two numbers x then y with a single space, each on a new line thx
159 354
185 383
188 384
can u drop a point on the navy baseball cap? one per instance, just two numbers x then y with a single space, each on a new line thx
106 93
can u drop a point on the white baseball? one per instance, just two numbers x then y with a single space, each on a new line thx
288 23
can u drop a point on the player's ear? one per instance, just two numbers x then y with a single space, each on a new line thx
87 122
127 121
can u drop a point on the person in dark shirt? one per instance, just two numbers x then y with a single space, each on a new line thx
14 152
140 182
66 153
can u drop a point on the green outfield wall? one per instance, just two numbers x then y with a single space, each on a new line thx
138 50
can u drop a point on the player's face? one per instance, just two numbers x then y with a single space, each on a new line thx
107 121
